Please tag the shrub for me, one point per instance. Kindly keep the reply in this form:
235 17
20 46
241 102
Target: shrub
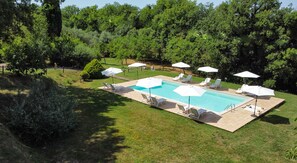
269 83
45 113
292 153
94 68
84 75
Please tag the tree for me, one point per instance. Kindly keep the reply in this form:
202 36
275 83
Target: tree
54 17
27 54
69 14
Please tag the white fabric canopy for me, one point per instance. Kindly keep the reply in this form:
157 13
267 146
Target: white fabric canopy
189 90
247 74
137 64
149 83
111 71
207 69
181 65
258 91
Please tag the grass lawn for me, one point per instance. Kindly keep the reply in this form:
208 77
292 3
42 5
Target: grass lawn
114 128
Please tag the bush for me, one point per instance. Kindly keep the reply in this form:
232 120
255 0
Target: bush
45 113
269 83
84 75
94 68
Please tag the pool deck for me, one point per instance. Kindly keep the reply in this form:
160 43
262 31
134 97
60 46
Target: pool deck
231 120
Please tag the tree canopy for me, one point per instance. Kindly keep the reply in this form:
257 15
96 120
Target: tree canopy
253 35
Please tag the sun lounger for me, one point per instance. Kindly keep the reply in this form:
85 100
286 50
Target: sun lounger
183 108
187 79
196 113
107 86
240 90
116 88
156 102
146 98
251 108
180 76
205 82
216 85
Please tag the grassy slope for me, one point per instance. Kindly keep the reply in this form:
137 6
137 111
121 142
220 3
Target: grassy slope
115 128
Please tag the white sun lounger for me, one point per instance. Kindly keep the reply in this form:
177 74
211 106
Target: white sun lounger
116 88
196 113
216 85
181 75
107 86
240 90
156 102
187 79
146 98
183 108
205 82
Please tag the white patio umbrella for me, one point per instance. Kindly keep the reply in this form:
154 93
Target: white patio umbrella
258 91
207 69
181 65
149 83
136 65
189 90
246 74
111 72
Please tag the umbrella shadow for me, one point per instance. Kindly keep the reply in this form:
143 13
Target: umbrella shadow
210 117
125 90
264 97
168 105
275 119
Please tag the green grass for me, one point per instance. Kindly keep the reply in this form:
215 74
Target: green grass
114 128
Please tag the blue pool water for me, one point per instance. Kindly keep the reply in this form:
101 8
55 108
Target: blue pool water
210 100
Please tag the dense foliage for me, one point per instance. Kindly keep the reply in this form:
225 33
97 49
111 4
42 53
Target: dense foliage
45 113
238 35
93 69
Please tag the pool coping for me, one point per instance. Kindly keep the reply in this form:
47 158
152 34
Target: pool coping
247 99
231 120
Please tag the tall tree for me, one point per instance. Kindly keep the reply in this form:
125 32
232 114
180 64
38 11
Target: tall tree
53 16
7 9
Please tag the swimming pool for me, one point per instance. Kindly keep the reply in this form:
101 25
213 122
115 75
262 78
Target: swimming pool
210 100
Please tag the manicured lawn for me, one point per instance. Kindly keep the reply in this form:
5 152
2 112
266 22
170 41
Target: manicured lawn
114 128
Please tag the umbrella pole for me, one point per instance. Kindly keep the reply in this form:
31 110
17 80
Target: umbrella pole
137 73
255 105
112 79
189 101
184 71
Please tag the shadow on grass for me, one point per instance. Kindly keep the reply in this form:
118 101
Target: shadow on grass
95 139
13 82
275 119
